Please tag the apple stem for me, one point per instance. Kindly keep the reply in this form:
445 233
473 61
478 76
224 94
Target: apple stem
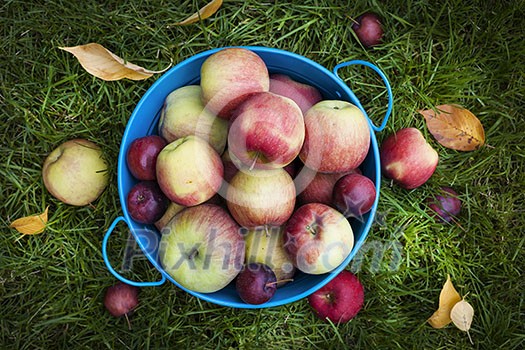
276 282
193 253
254 160
311 229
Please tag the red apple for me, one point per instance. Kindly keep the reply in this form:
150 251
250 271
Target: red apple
407 158
261 197
189 171
368 29
340 299
337 137
318 238
256 283
315 187
266 131
146 202
141 157
229 76
445 205
354 195
303 94
121 299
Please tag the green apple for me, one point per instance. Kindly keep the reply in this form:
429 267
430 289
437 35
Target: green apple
75 172
265 245
189 171
184 114
202 248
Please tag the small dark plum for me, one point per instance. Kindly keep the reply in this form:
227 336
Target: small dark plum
142 156
353 195
368 29
256 283
121 298
146 202
445 205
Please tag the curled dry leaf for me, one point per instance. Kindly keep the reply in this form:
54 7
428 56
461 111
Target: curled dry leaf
31 225
203 13
447 299
455 127
104 64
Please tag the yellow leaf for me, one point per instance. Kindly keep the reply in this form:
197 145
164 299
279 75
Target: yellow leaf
447 299
102 63
455 127
462 314
31 225
203 13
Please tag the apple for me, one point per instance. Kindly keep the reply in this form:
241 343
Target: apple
183 114
340 300
266 131
121 299
75 172
265 245
171 211
445 205
314 187
256 283
189 171
337 137
146 202
407 158
141 156
261 197
202 248
318 238
229 76
368 29
303 94
354 195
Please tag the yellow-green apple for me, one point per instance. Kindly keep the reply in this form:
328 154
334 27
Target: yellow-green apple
183 114
354 195
407 158
229 76
75 172
261 197
337 137
171 211
315 187
340 299
189 171
318 238
202 248
265 245
304 95
266 131
141 156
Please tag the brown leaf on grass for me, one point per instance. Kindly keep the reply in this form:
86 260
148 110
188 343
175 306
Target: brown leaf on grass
104 64
31 225
462 314
455 127
447 299
203 13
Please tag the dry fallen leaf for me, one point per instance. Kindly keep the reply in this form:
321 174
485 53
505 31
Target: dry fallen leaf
104 64
455 127
447 299
31 225
203 13
462 314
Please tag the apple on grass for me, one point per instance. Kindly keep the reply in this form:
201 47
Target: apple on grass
337 137
368 29
266 131
304 95
189 171
75 172
261 197
340 299
318 238
202 248
141 156
183 114
407 158
229 76
445 204
265 245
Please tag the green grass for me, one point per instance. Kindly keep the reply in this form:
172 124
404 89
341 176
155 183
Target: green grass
471 53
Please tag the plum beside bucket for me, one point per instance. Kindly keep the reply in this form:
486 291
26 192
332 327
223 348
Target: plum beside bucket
144 121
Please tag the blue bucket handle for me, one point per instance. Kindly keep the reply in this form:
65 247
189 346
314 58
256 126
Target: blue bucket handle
112 270
385 80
